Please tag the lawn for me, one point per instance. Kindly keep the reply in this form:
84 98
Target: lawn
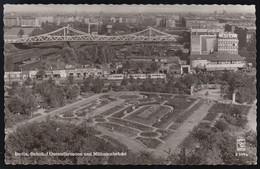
119 128
179 103
128 97
131 124
167 119
121 113
149 134
165 134
149 114
112 110
150 143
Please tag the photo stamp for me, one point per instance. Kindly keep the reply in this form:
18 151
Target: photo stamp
130 84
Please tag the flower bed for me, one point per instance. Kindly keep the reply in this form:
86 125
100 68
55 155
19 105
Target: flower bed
119 128
149 114
68 114
178 103
112 110
150 143
167 119
150 95
81 113
166 96
131 124
149 134
127 97
165 134
181 97
120 114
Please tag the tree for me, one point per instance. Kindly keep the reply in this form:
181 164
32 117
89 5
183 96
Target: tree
16 105
20 33
207 94
154 67
71 79
40 74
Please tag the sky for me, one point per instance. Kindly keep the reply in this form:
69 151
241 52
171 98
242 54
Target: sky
129 8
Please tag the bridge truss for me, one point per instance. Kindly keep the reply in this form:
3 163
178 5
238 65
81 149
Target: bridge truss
72 35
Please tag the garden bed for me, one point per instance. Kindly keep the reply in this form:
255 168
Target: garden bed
131 124
150 143
167 119
149 134
149 114
128 97
120 114
81 113
178 103
165 134
112 110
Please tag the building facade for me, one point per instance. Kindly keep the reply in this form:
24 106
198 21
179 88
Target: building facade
228 43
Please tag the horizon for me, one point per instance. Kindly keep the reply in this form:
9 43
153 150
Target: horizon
8 8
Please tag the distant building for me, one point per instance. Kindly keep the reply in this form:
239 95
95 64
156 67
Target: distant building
13 33
249 34
159 21
11 21
217 61
28 21
228 43
170 23
200 23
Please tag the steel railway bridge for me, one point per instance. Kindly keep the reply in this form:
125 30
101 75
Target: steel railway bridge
68 34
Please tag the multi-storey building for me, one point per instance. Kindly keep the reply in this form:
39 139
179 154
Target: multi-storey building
28 21
228 43
203 44
10 21
170 23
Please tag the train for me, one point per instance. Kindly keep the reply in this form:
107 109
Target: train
136 76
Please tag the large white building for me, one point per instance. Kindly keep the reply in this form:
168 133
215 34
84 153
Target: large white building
228 43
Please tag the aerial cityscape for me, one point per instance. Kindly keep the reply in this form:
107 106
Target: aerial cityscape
130 84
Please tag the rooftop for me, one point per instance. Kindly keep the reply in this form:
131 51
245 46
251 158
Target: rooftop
217 57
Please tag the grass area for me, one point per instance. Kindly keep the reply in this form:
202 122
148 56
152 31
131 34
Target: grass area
112 110
119 128
145 100
131 124
81 113
181 97
120 114
150 95
149 134
127 97
183 115
165 134
167 119
115 142
179 103
151 143
149 114
166 96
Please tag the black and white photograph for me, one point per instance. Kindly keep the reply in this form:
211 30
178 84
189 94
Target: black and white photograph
133 84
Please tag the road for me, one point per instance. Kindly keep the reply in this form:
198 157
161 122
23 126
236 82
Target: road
176 139
252 117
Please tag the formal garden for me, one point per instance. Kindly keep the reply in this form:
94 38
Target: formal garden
148 118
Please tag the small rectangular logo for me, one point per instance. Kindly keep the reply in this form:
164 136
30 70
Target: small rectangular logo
241 144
